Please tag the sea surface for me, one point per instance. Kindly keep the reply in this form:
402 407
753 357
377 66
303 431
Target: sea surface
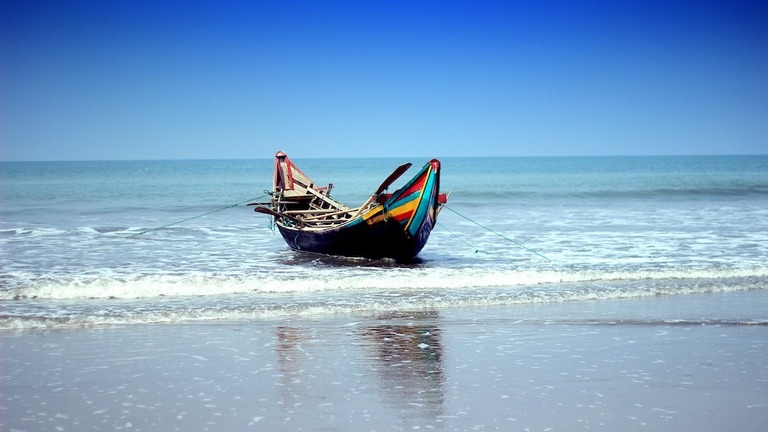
86 244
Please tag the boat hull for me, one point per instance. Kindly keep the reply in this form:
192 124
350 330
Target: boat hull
394 225
381 240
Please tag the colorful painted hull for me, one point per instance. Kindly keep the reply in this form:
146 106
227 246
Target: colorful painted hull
393 225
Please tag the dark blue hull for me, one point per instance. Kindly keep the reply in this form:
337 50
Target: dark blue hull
381 240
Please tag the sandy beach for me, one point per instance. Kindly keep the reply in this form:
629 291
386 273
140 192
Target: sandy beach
604 365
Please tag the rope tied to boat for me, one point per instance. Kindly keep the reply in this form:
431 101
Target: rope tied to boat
518 244
196 217
458 238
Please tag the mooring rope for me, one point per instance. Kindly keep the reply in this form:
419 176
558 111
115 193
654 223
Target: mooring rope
196 217
457 237
520 245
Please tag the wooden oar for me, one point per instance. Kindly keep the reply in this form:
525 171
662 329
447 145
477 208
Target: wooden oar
271 212
392 177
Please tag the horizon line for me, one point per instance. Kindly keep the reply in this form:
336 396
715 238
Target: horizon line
393 157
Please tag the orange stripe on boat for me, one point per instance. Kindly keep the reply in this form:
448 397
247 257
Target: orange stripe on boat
404 211
399 213
403 217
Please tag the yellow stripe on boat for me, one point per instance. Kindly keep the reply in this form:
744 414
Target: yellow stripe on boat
376 214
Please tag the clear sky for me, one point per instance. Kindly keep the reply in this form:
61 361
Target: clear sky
166 79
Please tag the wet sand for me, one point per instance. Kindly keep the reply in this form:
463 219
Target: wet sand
662 364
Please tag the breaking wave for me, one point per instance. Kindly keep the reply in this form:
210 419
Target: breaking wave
48 302
19 285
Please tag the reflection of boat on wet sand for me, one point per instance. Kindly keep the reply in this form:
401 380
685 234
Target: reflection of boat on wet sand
411 364
388 225
406 360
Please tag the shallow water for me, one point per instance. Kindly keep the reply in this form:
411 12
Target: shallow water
79 248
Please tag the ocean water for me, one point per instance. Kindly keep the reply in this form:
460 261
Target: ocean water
78 245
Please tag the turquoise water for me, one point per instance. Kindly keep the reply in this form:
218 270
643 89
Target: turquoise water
601 227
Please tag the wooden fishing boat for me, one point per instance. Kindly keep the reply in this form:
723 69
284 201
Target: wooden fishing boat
387 225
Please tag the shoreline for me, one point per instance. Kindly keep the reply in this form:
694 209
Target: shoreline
661 364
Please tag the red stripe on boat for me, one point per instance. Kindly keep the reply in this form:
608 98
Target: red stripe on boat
404 216
416 187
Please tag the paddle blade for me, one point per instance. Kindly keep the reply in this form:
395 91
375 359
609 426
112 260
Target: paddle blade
392 177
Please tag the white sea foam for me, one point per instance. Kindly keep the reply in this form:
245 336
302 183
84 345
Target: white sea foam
115 286
32 232
25 316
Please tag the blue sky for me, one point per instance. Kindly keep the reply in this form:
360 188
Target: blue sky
134 79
